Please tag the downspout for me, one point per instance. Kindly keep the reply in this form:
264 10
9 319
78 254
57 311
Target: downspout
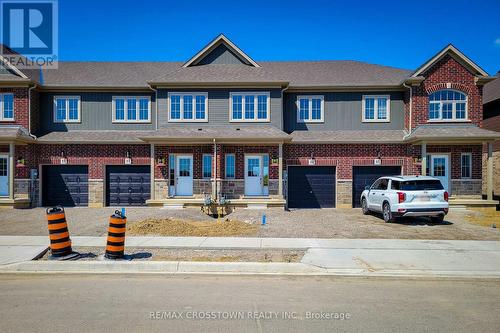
215 172
283 106
156 105
29 110
411 109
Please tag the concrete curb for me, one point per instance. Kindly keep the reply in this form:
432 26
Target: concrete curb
232 268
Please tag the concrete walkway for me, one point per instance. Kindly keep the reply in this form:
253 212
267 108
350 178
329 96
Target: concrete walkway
13 254
264 243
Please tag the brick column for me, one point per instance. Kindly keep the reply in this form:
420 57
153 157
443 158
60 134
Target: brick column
423 171
489 172
280 170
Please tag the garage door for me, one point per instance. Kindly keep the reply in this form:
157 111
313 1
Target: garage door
127 185
65 185
366 175
311 187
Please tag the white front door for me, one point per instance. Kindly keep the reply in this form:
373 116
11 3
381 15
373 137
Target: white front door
184 175
440 169
253 175
4 175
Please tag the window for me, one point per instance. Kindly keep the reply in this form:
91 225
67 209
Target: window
66 109
447 105
249 107
188 107
376 108
131 109
230 166
466 165
310 109
6 107
207 166
420 185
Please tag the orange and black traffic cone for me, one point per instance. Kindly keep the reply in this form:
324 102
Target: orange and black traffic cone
115 246
60 243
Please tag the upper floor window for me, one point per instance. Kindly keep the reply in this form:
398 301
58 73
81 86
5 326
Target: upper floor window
133 109
6 107
67 109
188 107
310 109
249 107
447 105
376 108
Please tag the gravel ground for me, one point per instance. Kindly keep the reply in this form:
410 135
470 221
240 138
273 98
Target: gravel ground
320 223
95 253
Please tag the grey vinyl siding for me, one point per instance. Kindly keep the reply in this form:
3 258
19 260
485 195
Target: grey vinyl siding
95 112
343 112
218 108
221 55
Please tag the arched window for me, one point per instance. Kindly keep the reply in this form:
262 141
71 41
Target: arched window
447 105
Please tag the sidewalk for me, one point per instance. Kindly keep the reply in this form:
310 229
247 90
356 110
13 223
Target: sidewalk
255 243
344 257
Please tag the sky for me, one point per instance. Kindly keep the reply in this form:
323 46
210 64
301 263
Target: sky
401 34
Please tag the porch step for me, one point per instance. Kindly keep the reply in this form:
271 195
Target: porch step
173 206
472 203
256 206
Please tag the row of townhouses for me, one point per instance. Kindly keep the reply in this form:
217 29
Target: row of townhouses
221 125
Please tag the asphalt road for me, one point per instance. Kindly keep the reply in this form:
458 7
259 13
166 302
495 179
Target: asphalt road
120 303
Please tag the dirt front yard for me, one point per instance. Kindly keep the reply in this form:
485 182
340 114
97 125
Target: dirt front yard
310 223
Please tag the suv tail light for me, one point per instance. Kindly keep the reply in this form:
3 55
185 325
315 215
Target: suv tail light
401 197
445 196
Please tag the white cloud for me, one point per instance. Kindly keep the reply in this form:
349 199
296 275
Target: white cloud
497 41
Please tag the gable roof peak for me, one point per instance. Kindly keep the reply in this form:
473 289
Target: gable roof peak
220 39
457 55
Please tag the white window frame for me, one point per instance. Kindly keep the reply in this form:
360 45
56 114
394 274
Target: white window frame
225 166
310 98
203 166
470 165
255 118
2 118
375 109
66 119
453 108
181 119
125 108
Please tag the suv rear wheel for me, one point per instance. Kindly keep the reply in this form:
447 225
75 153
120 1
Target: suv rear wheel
437 219
386 212
364 207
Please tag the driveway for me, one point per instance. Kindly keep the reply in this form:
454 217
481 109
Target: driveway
308 223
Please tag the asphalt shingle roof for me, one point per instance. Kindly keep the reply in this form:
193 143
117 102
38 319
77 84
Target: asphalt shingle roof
92 137
258 133
297 73
349 136
231 132
491 90
452 131
8 132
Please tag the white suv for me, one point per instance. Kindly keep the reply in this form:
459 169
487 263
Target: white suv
401 196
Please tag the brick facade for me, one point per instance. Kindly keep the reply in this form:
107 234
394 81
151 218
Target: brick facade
345 156
21 107
447 73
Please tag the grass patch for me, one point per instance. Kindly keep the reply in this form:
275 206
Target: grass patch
177 227
484 218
